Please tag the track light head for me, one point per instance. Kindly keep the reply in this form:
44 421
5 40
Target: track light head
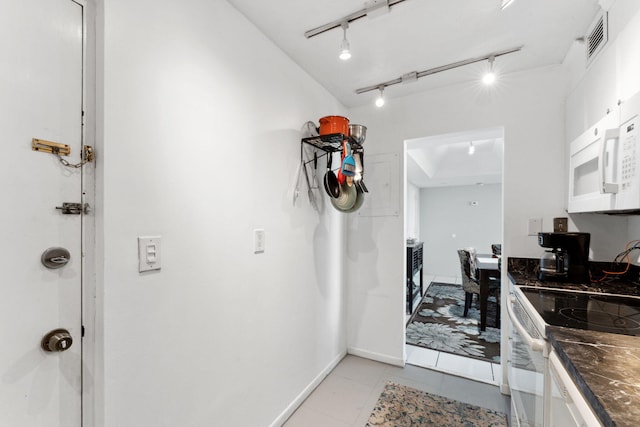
380 99
345 51
490 77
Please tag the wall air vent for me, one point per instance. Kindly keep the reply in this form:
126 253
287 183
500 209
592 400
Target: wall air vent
596 37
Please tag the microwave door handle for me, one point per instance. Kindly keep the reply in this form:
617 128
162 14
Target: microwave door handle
535 344
609 134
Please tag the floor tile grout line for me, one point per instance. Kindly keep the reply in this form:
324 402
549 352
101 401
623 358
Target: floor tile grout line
447 370
374 393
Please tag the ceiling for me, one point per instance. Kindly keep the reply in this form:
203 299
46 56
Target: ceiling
417 35
445 160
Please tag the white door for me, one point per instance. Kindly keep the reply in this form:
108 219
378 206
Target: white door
41 60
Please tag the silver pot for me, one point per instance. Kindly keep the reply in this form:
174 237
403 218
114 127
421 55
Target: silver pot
358 133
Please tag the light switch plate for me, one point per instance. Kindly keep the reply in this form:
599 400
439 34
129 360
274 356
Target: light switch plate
258 241
149 253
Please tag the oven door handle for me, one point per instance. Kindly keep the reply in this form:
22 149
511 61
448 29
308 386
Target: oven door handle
536 344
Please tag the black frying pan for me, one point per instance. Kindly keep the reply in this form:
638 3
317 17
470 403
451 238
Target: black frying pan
331 184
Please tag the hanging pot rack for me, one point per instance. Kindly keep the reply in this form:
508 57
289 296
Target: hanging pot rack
332 142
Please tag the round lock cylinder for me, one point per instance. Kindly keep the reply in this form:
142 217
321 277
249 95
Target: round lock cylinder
57 340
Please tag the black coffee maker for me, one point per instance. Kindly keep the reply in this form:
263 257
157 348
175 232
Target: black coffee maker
568 259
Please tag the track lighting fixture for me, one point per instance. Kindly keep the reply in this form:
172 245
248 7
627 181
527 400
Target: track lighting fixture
380 99
415 75
490 77
345 52
372 9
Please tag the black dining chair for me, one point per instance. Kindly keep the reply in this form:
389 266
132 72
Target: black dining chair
496 249
470 283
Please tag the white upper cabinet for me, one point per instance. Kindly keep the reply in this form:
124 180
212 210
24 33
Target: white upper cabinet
598 88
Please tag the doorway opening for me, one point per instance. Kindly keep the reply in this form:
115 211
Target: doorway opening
453 201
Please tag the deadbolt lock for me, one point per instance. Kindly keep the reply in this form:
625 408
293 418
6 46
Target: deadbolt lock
57 340
55 257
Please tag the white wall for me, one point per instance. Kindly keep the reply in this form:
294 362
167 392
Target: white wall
412 211
448 222
530 107
200 144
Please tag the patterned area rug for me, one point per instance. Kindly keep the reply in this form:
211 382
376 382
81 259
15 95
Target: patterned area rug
400 406
438 324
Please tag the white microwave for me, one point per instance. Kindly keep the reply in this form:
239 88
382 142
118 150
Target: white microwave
604 164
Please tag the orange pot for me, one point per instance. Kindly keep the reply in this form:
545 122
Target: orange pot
334 124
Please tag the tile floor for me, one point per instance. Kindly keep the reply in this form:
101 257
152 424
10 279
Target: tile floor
347 396
474 369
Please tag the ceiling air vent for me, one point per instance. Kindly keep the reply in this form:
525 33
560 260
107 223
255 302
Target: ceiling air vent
596 36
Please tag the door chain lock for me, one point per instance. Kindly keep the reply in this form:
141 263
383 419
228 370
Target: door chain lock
74 208
88 155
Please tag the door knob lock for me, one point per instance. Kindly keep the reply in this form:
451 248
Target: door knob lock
57 340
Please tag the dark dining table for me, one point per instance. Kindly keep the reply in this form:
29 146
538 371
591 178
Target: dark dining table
488 270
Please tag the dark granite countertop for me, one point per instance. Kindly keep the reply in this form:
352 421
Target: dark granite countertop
606 368
524 272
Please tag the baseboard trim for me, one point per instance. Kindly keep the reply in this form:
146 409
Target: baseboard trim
378 357
284 416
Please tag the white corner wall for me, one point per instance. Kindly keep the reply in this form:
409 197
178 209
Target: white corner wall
530 107
448 222
200 144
